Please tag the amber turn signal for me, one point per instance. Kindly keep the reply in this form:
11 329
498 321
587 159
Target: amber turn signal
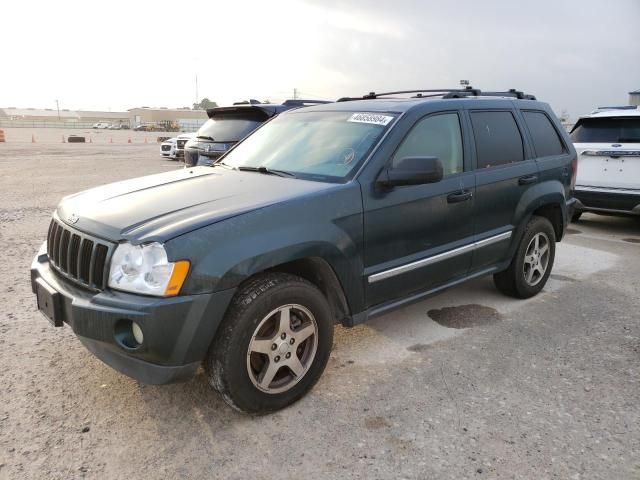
178 276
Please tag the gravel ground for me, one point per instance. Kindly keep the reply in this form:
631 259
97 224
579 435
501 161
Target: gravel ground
468 384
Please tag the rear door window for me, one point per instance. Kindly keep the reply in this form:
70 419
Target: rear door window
607 130
546 140
497 138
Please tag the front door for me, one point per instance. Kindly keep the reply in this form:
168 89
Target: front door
414 234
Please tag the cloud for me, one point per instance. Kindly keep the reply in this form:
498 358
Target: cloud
575 54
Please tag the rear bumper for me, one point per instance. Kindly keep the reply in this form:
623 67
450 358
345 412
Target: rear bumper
618 201
177 330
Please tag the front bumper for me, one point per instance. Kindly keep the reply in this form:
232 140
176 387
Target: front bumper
177 330
604 200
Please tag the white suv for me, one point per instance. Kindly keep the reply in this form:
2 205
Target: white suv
608 146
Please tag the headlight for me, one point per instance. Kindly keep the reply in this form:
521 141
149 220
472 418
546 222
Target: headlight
145 269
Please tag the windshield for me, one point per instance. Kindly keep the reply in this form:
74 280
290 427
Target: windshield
227 128
324 146
607 130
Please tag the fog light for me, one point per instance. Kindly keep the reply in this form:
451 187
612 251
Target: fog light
128 334
137 333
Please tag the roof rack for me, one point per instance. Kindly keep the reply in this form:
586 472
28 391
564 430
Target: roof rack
445 93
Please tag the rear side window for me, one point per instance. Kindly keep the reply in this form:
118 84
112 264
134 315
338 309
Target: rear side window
498 140
607 130
435 136
546 140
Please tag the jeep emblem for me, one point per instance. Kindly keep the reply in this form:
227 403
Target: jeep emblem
73 218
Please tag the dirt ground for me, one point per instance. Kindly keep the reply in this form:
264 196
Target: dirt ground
468 384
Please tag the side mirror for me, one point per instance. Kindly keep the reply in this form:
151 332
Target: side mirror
411 171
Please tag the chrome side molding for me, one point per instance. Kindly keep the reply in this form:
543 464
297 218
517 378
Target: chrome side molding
392 272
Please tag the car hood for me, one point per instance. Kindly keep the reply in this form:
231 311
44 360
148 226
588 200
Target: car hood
163 206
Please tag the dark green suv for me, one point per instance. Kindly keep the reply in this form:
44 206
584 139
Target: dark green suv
329 214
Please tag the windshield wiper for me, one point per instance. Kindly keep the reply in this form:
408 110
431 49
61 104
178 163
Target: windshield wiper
204 137
268 171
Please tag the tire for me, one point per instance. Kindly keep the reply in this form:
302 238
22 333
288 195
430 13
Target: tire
252 342
520 280
575 217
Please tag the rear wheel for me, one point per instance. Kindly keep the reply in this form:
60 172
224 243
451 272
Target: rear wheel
532 263
273 344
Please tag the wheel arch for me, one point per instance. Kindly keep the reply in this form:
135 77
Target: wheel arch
546 200
319 272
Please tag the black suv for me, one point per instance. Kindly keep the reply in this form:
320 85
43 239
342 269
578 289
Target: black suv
228 125
329 214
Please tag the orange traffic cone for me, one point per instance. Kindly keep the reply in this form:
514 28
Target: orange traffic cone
33 138
63 140
111 141
90 139
145 139
129 140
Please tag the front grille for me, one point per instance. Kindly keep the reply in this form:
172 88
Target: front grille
77 256
165 148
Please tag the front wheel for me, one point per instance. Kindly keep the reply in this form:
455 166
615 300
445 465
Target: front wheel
532 263
273 344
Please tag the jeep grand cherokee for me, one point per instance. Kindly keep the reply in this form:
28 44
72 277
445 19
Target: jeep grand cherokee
332 213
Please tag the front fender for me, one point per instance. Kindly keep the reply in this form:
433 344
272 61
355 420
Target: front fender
329 227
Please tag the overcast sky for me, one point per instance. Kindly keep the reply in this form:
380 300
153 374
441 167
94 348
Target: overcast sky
575 54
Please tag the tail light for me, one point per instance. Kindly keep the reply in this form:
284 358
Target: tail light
574 172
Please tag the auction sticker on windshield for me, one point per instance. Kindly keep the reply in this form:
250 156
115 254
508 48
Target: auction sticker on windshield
374 118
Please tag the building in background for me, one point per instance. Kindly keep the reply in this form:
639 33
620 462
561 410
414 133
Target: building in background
187 120
634 97
179 119
50 117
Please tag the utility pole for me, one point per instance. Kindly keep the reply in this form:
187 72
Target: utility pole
197 101
295 93
58 107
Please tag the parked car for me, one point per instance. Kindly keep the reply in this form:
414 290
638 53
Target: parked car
228 125
608 145
169 148
101 125
182 139
149 127
328 214
119 126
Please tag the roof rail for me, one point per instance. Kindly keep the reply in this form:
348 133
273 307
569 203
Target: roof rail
445 93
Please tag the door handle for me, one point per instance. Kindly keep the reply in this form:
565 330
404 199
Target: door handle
528 180
459 196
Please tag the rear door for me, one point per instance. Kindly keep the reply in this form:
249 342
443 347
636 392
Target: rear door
504 170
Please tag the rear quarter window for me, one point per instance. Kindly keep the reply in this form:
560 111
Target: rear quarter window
546 140
497 138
